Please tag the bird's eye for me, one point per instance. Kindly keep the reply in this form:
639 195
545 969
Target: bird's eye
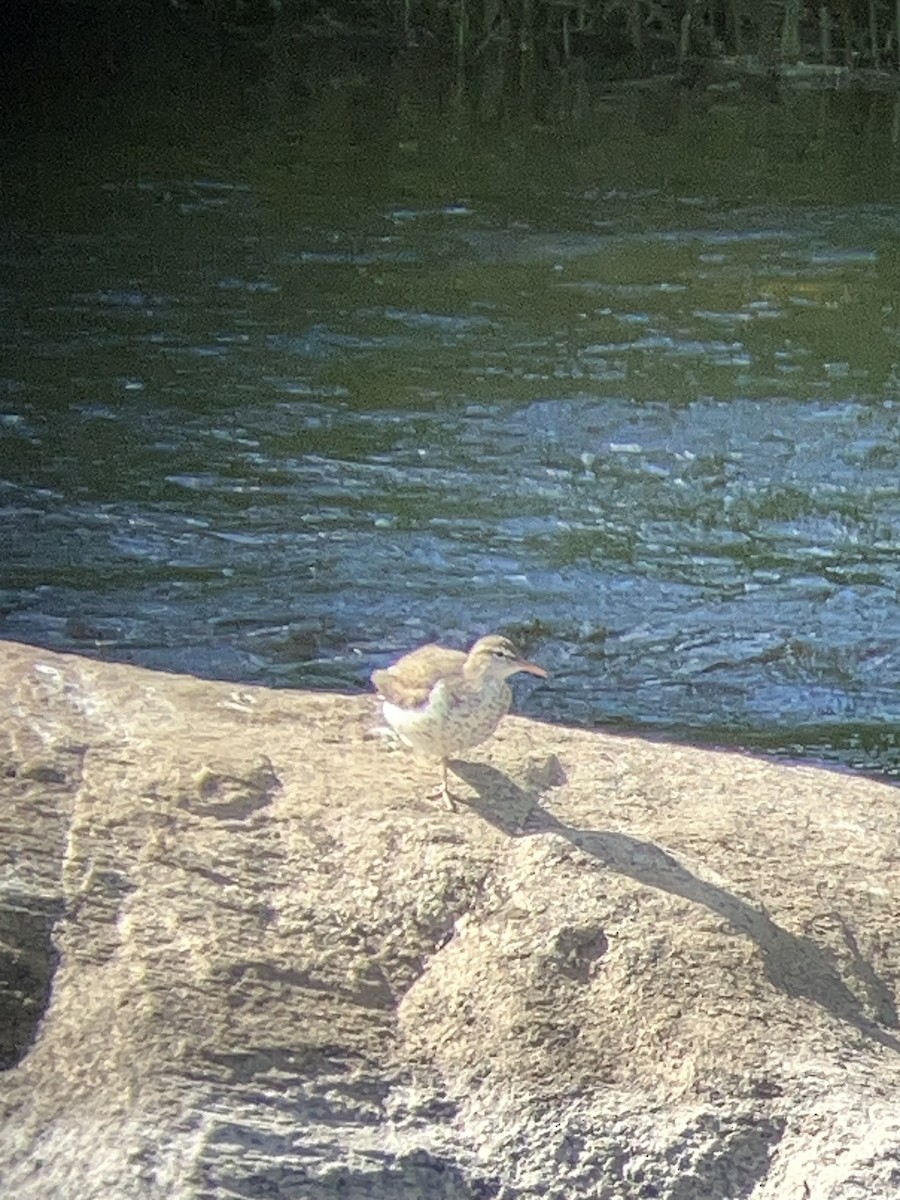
501 654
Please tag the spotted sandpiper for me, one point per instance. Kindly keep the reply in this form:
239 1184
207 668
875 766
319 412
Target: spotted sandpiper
441 701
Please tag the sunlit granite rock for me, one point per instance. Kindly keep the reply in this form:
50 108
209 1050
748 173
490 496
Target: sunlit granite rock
241 957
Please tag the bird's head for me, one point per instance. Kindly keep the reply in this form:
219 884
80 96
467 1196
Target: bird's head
496 657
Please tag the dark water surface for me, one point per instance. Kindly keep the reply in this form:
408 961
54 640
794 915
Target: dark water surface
298 375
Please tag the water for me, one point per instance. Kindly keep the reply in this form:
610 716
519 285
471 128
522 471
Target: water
297 377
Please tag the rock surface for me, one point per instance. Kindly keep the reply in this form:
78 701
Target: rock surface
240 956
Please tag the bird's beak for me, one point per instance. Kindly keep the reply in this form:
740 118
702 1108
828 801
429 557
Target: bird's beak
532 668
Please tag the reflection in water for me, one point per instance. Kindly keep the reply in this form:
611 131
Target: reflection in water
286 398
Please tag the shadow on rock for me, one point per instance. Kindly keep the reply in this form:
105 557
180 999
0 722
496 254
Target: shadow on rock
796 965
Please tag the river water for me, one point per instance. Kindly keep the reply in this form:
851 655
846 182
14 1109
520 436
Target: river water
303 371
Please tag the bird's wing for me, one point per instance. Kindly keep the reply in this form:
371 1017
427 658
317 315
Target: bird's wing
408 682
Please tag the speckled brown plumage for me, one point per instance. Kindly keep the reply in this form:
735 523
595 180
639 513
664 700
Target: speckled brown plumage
441 701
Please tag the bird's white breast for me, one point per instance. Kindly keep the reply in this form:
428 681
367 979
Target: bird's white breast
452 719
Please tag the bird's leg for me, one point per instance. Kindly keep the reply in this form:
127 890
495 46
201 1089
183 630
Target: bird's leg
444 790
446 794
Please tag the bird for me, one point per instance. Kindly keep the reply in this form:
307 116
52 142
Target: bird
441 701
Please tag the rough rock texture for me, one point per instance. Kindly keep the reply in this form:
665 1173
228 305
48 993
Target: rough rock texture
240 956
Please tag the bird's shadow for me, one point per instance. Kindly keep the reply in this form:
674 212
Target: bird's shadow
797 965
